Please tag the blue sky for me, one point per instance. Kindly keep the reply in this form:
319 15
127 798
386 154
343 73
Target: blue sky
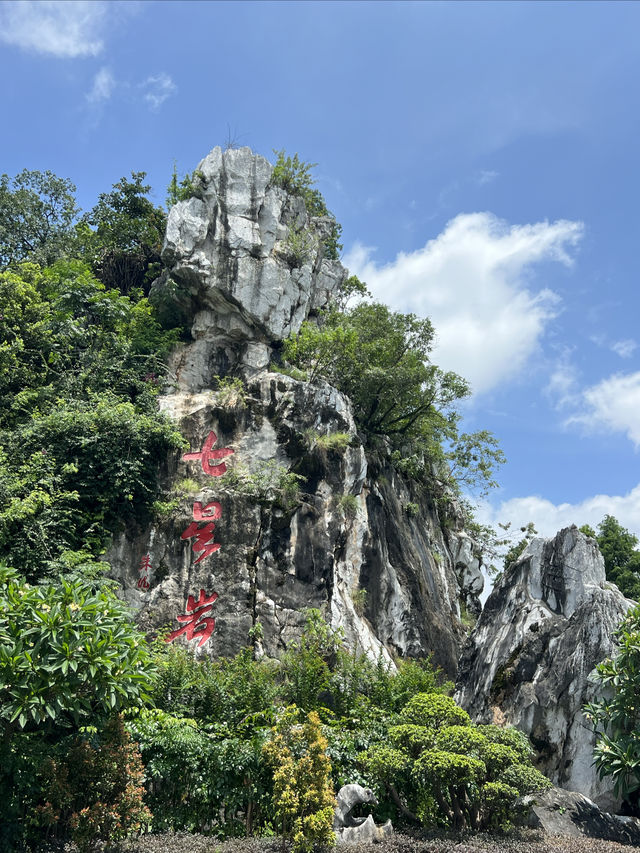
482 158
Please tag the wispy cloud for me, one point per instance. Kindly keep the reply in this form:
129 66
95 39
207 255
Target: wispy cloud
625 348
471 281
103 86
486 176
612 405
157 88
66 30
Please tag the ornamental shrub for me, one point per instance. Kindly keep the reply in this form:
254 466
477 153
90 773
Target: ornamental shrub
303 800
440 769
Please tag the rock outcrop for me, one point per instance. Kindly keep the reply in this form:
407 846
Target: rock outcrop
358 541
568 813
545 626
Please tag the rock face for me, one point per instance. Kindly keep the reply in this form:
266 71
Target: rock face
358 542
544 628
570 814
248 262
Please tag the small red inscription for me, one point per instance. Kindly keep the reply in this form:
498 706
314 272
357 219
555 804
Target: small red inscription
145 567
197 623
207 455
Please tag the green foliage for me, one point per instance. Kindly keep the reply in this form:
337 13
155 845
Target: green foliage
201 776
191 186
121 237
411 508
303 799
231 393
37 210
79 370
333 441
434 711
616 716
439 768
92 792
359 598
621 558
297 249
68 654
348 505
294 176
380 359
269 482
525 779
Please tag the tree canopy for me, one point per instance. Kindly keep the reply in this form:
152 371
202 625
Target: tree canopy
381 360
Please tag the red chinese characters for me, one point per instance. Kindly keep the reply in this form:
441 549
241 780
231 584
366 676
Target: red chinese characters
203 535
207 456
198 622
145 567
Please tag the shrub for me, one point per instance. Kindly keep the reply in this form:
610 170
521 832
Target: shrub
68 653
441 768
303 800
92 790
348 505
434 711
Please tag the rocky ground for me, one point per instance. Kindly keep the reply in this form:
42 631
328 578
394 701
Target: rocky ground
524 841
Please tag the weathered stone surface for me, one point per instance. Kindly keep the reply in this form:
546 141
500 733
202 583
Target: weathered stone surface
545 626
231 252
365 833
348 800
568 813
354 545
348 547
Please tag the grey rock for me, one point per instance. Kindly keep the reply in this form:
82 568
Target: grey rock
394 582
230 254
367 832
544 627
348 799
348 533
568 813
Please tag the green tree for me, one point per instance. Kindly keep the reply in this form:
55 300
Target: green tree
618 547
122 236
37 211
437 767
616 716
381 360
79 369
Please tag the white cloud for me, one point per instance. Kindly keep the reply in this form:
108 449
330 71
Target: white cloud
613 405
471 282
62 29
103 85
156 89
548 517
624 349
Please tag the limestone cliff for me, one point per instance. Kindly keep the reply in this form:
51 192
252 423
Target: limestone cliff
358 542
544 627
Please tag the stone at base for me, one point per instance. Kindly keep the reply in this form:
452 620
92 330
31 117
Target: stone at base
559 812
366 833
